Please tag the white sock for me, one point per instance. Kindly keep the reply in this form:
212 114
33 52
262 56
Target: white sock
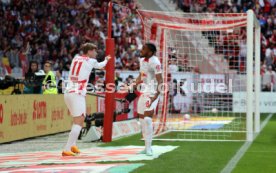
73 136
142 124
149 131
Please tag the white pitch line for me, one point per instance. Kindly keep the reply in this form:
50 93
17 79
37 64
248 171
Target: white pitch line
236 158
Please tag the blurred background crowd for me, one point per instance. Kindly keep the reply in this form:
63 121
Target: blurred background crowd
265 11
37 31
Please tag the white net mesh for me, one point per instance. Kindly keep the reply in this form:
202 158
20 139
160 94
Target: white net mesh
204 63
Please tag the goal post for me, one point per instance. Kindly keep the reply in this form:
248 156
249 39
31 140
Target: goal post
249 77
211 63
110 80
257 88
253 54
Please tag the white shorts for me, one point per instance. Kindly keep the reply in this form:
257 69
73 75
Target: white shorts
76 104
144 99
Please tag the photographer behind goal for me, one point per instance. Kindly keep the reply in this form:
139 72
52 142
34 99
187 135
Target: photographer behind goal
32 82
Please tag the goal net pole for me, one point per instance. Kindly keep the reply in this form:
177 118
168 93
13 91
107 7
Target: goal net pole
253 39
110 81
258 72
249 78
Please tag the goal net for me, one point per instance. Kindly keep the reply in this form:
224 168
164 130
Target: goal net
208 63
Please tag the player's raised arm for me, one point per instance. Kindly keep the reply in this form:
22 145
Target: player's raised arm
100 65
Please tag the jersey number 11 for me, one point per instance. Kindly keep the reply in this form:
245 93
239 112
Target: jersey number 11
77 64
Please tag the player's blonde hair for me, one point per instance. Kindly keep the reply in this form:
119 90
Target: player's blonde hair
87 46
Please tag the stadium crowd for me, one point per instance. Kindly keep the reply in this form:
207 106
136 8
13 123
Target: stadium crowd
43 30
265 10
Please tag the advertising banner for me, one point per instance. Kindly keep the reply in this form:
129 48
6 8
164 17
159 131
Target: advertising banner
267 102
26 116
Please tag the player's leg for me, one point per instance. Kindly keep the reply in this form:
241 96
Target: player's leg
142 123
77 107
149 112
143 130
148 131
140 110
74 133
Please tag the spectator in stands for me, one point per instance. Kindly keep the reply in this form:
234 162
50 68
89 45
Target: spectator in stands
268 80
183 62
6 64
49 82
196 70
3 71
32 85
269 55
263 70
242 56
272 39
272 76
13 56
59 81
118 80
173 65
55 29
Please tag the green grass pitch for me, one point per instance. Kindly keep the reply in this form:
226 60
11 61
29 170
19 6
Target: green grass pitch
211 157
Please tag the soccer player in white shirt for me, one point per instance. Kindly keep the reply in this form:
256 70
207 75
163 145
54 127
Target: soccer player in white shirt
150 73
74 95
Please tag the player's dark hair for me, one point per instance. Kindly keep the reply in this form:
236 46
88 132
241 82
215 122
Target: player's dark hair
87 46
151 47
